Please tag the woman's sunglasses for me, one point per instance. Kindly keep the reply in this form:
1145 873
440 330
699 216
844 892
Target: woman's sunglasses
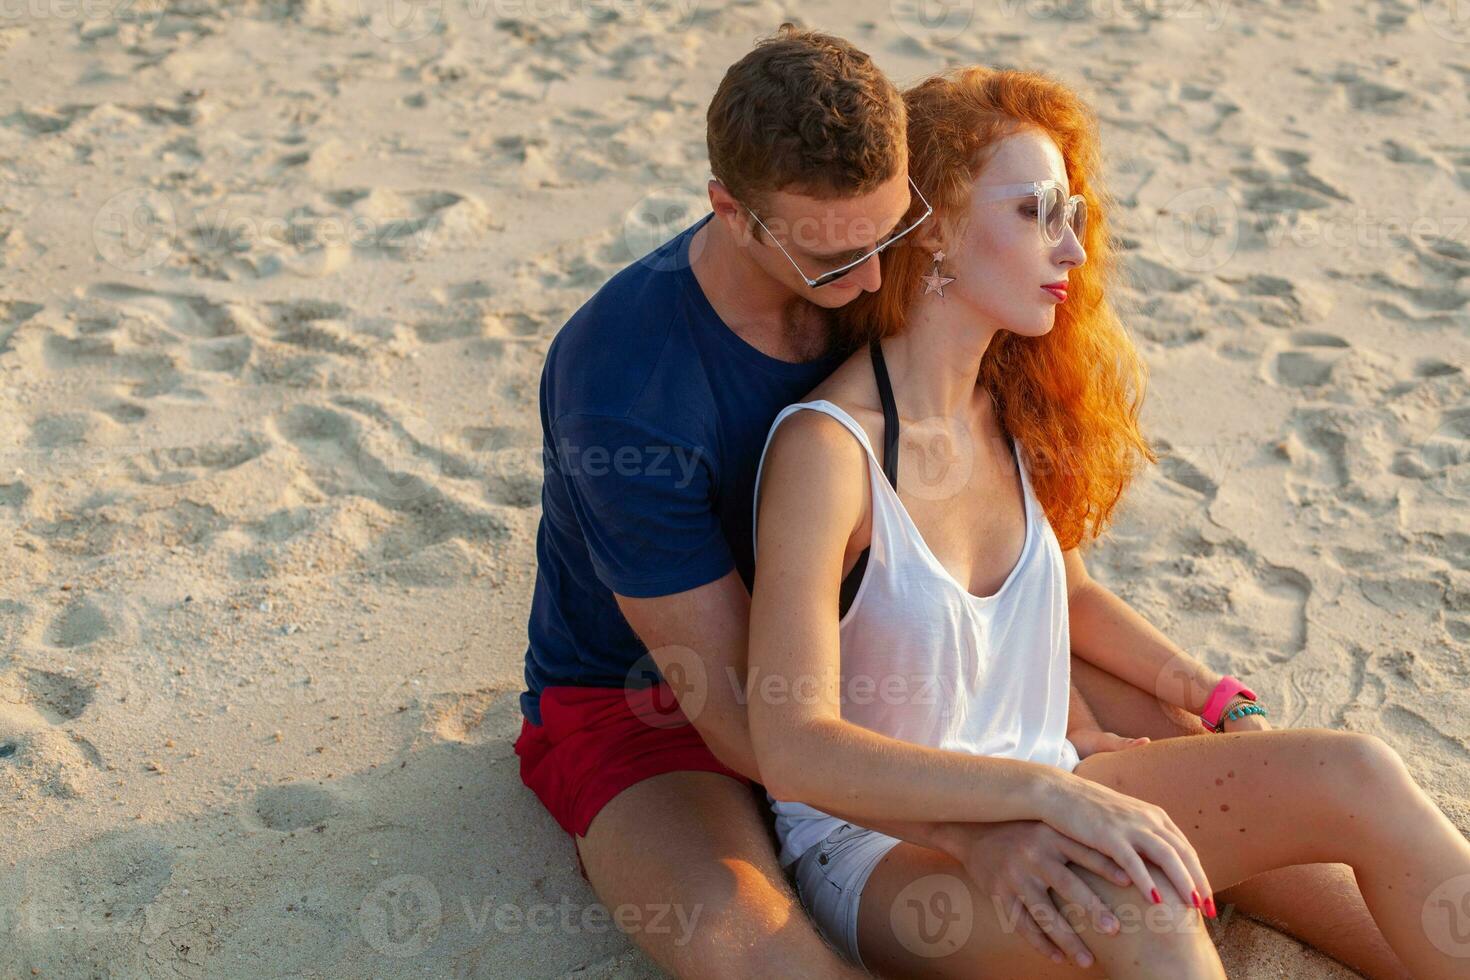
1054 210
840 271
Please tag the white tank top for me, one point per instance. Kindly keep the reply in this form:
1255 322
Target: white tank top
926 661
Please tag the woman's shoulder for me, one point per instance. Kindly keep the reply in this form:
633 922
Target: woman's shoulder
813 436
816 448
852 388
811 483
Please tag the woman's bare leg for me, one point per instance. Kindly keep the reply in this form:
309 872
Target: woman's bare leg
922 917
1318 904
1254 801
1328 914
1282 798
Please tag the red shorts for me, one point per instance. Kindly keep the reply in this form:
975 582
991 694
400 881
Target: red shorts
595 742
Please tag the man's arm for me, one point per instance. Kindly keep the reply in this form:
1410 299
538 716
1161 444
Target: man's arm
1079 714
700 636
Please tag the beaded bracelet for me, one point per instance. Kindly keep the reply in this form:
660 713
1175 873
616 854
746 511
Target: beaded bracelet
1241 710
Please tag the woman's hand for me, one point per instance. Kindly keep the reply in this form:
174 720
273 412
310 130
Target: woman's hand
1018 860
1130 831
1089 741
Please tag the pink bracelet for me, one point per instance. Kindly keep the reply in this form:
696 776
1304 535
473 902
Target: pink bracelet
1224 691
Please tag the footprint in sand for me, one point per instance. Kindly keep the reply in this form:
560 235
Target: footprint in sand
1342 456
228 355
1317 448
173 465
471 718
1438 300
511 461
1366 95
1278 301
186 315
1388 310
110 887
405 226
291 807
125 412
62 431
13 616
44 120
302 926
1274 601
1442 459
317 326
1258 608
14 495
1180 470
1435 298
1306 360
482 323
134 331
14 314
78 624
1433 367
151 373
1405 152
36 755
1277 185
58 697
396 461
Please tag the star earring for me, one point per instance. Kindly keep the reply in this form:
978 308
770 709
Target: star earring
934 282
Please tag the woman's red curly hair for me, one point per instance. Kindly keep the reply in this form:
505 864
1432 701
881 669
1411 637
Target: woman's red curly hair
1071 398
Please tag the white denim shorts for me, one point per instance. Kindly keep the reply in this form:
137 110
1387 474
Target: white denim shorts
829 878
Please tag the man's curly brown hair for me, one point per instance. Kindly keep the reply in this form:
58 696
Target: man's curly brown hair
805 112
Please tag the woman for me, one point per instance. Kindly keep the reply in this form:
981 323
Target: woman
917 616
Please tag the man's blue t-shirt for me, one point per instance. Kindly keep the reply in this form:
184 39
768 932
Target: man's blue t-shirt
654 414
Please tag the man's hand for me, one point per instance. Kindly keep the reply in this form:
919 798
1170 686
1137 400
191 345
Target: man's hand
1089 741
1018 860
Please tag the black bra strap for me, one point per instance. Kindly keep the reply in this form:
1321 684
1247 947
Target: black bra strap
890 414
890 467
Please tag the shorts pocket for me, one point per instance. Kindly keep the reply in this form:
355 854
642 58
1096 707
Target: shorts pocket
831 847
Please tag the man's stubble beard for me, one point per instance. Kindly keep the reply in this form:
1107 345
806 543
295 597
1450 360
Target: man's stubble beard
811 330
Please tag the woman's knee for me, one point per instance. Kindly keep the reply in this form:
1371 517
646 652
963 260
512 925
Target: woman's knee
1137 914
1168 938
1344 782
1375 756
1359 765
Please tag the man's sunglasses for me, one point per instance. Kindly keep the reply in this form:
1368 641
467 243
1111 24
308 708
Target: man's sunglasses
838 273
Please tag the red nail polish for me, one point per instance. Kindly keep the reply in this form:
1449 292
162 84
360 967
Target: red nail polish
1194 897
1157 899
1210 907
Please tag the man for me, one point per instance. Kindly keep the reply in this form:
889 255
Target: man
656 400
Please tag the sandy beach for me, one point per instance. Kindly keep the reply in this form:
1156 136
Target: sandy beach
276 284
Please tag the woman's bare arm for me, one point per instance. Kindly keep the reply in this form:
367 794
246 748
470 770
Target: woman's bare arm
702 635
811 502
